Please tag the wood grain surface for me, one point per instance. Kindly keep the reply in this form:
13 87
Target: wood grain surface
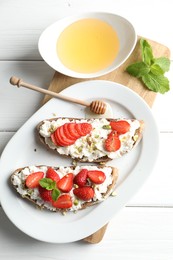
60 82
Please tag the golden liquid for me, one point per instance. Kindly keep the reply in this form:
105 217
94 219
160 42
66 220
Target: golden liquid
88 45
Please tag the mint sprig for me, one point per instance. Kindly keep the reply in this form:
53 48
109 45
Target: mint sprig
49 184
151 70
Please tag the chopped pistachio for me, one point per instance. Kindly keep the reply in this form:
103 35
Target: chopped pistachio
29 191
89 140
92 147
76 202
80 149
102 163
123 138
74 162
114 193
135 137
107 127
52 129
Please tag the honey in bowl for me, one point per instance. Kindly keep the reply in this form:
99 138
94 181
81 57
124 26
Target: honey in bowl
88 45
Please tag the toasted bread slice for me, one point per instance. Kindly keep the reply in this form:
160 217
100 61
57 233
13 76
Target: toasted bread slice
101 191
90 148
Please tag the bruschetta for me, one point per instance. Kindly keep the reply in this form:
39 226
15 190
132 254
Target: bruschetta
62 189
91 140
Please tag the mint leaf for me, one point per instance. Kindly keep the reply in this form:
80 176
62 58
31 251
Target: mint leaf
156 83
163 63
47 183
138 69
147 53
156 69
55 194
151 70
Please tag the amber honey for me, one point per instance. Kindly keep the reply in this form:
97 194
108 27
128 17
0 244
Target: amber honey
88 45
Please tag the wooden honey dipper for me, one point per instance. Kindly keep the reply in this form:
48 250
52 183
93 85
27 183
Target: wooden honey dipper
97 106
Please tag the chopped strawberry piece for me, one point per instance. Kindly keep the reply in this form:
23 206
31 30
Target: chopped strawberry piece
97 177
81 178
67 132
120 126
112 143
61 138
83 128
63 202
46 195
52 174
66 183
32 180
84 193
72 130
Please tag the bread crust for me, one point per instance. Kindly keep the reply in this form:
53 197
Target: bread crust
103 159
86 204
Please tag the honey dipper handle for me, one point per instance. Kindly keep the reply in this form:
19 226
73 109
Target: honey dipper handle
18 82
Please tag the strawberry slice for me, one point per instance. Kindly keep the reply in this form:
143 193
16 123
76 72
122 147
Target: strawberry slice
84 193
66 183
72 130
46 195
52 174
64 138
61 138
81 178
83 128
96 177
120 126
54 139
67 132
112 143
63 202
32 180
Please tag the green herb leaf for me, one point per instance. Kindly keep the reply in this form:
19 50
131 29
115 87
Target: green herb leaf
156 83
156 69
151 70
138 69
147 53
163 62
55 194
47 183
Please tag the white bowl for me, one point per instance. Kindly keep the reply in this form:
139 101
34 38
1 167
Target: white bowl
48 41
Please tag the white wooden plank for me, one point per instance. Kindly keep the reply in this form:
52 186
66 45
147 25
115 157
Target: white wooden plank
21 22
18 104
4 138
163 106
158 188
135 233
145 234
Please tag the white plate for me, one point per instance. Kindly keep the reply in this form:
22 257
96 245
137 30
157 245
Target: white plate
134 167
48 39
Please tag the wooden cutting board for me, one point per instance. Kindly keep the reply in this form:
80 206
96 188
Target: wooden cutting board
60 82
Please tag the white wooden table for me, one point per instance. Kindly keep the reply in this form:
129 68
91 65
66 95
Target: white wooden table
144 228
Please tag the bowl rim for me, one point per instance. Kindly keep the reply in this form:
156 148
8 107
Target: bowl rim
69 19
